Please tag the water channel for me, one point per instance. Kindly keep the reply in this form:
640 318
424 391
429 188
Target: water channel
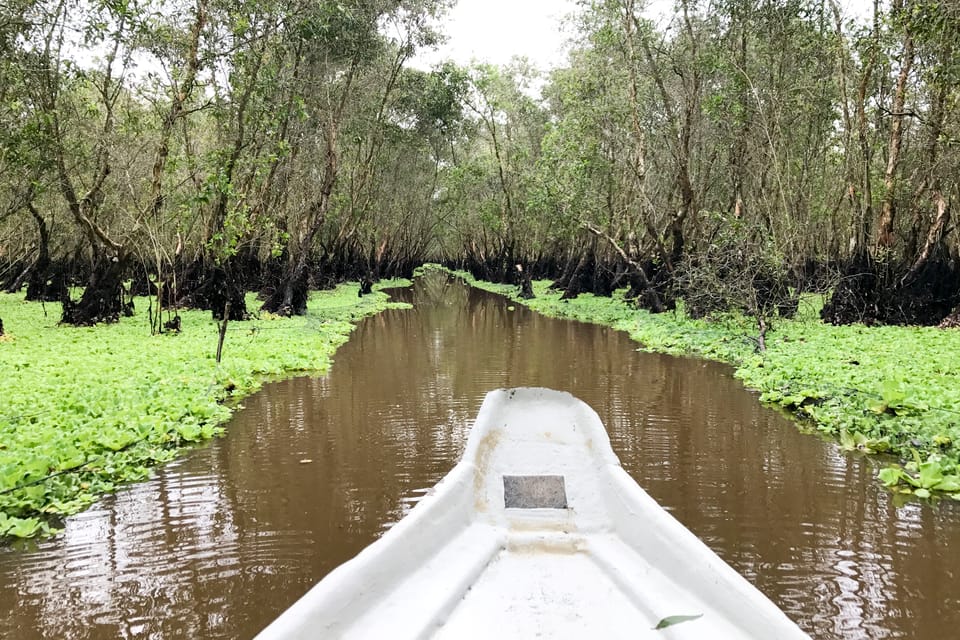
314 469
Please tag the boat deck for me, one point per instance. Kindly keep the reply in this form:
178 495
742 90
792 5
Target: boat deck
551 585
534 592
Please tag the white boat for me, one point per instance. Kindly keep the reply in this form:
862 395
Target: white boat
537 532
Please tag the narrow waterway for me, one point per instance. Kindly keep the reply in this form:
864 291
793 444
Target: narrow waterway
314 469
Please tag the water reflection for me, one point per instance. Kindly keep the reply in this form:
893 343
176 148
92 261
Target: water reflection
219 543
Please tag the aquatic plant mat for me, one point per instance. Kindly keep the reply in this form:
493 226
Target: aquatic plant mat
87 408
884 389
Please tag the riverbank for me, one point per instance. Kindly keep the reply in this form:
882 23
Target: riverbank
85 409
887 389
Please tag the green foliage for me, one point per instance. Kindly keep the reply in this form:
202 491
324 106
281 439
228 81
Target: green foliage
936 473
434 99
343 29
20 527
861 442
88 408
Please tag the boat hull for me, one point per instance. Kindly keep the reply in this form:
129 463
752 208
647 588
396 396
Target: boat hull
536 532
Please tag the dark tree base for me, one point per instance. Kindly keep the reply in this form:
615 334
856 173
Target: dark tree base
172 325
366 286
588 274
140 284
774 293
102 299
48 282
659 296
289 298
211 287
526 286
871 294
952 321
581 273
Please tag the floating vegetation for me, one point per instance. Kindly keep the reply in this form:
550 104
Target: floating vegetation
86 409
922 478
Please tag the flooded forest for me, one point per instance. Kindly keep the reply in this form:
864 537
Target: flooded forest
200 197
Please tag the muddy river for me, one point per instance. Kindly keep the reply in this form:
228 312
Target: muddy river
314 469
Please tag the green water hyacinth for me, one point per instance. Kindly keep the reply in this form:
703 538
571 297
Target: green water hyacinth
922 478
87 409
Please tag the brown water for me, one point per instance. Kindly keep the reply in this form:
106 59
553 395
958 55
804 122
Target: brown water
219 543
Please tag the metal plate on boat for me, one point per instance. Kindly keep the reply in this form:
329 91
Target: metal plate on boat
534 492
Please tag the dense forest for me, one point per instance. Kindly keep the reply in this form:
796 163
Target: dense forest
733 156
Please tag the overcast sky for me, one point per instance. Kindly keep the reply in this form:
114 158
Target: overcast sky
496 30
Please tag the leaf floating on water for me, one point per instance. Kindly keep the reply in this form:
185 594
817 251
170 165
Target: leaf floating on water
890 476
669 621
949 484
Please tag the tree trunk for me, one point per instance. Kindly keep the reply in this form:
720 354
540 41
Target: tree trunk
681 131
885 236
211 286
934 237
931 181
15 283
37 286
860 252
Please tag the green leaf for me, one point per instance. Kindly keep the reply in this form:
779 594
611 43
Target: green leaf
189 432
22 527
847 441
909 479
949 484
35 492
878 407
71 457
916 457
890 476
931 474
892 394
922 493
914 406
114 439
669 621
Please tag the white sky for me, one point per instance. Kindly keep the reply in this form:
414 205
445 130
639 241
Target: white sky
496 30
